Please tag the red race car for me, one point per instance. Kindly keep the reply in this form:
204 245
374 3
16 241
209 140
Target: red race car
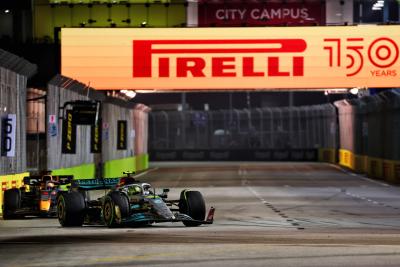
37 197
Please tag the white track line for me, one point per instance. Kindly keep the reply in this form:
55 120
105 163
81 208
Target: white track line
358 175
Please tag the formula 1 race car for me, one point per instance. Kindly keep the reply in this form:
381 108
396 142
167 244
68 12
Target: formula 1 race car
128 202
36 197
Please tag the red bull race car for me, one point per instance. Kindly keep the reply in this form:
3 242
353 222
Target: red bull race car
127 202
37 196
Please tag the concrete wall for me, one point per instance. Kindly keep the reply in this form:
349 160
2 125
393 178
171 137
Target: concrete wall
111 162
61 90
14 73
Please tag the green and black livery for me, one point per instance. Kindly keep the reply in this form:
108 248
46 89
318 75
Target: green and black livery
126 202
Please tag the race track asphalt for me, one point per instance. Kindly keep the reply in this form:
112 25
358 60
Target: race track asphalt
267 214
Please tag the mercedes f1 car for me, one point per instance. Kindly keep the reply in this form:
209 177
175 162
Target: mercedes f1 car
126 201
37 196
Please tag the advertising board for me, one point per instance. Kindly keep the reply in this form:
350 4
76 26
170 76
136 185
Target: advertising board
233 58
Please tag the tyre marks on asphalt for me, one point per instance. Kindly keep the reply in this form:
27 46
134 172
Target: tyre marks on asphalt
285 217
242 172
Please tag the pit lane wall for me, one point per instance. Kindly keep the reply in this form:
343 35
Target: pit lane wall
60 91
116 160
116 114
369 135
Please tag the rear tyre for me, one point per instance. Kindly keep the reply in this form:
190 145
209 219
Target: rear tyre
112 217
12 202
70 209
192 204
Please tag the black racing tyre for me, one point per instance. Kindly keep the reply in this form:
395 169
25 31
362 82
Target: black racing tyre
111 218
122 201
11 203
70 209
192 203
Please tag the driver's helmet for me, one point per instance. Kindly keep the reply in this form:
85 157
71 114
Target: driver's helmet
47 182
146 189
134 189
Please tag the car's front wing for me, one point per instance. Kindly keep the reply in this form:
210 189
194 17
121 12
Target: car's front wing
178 217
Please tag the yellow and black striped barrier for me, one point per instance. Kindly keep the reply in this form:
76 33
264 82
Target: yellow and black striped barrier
378 168
8 182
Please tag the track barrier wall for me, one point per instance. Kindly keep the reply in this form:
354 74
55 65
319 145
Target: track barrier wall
117 160
114 158
119 117
369 135
10 181
295 133
61 90
327 155
83 171
14 73
36 130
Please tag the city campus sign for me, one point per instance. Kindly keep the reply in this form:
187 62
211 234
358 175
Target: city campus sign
260 14
233 58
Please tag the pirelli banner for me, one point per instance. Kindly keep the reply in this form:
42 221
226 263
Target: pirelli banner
233 58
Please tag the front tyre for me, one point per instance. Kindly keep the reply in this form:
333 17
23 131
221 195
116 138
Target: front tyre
116 207
70 209
192 204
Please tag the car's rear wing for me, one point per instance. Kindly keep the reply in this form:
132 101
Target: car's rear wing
64 179
32 180
95 184
37 179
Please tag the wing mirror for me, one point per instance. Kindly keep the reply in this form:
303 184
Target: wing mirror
164 193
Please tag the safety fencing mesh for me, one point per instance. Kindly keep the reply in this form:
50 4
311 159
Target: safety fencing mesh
370 134
287 128
371 125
